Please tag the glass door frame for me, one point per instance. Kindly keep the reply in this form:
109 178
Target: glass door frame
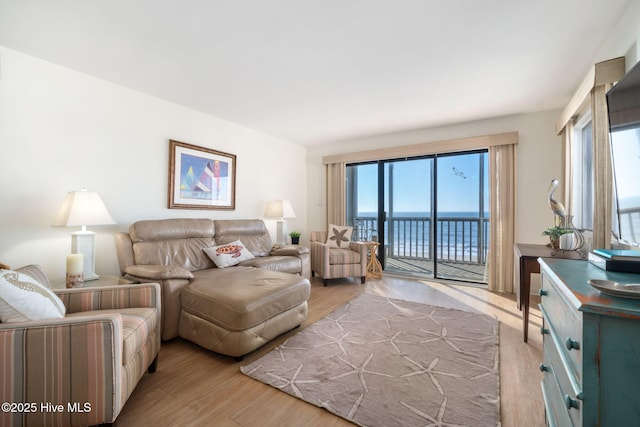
382 215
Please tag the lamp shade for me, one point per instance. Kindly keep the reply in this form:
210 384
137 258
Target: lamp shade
279 209
81 208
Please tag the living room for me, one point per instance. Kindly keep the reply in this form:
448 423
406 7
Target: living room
63 129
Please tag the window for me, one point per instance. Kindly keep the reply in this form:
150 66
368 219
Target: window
582 161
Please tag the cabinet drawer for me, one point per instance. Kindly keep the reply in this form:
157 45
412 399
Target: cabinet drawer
558 367
566 322
555 411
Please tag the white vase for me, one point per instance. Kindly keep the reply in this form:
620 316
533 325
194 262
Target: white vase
570 241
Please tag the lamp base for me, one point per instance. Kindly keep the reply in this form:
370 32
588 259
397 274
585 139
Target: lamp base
84 242
281 232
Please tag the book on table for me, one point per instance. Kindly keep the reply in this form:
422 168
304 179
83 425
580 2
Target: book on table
614 264
618 254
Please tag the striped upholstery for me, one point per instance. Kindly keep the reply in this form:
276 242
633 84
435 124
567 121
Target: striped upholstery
95 356
333 263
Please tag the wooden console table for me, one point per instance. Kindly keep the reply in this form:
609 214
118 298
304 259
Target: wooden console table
526 262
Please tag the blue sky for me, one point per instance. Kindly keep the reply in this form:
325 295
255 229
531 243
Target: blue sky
457 180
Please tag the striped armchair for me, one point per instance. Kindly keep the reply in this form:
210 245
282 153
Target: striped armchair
81 369
334 263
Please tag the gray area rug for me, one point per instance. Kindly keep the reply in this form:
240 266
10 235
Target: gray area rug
378 361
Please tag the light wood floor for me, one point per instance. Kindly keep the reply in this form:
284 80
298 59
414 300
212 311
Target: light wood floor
195 387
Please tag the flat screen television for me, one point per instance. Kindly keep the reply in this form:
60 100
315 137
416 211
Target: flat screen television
623 102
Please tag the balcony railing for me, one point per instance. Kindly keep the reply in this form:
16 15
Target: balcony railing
459 239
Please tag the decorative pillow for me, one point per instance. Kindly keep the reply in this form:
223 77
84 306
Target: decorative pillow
339 236
229 254
22 298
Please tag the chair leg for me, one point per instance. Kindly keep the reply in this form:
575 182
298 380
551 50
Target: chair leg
325 281
313 273
154 365
362 279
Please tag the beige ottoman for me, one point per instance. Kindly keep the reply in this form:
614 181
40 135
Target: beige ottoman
234 311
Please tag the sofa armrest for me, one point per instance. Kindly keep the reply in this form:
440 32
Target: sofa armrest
290 250
110 297
157 272
63 354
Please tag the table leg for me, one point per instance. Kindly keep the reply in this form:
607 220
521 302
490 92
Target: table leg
525 289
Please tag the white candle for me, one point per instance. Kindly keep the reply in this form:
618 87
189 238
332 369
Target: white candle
75 264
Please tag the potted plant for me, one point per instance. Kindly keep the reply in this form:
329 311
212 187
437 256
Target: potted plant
554 234
295 237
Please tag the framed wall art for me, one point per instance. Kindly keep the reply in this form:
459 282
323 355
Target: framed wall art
201 178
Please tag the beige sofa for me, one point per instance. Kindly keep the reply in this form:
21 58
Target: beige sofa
231 310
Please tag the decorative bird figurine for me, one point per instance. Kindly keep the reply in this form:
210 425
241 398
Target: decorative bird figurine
556 206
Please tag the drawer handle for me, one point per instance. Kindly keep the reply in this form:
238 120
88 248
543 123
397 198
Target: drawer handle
544 331
543 293
570 403
572 344
544 368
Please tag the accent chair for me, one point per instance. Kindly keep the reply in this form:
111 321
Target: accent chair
87 362
337 262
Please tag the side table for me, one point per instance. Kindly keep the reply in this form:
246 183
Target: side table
526 262
102 281
374 269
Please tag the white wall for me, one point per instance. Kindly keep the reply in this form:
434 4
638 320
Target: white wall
61 130
539 152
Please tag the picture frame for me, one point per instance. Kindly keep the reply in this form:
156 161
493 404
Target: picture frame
200 178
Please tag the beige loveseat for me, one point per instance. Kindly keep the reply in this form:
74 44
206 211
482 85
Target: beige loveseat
231 310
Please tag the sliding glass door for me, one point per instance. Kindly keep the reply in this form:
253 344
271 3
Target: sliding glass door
428 213
408 206
462 216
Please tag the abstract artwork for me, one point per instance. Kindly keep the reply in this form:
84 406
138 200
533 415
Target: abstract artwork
200 178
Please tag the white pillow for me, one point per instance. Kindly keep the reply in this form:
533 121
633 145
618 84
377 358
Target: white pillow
22 298
229 254
339 236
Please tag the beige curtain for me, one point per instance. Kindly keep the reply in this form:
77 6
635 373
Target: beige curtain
502 214
592 92
603 187
567 166
336 193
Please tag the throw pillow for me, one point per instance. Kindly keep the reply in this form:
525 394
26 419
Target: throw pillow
22 299
228 255
339 236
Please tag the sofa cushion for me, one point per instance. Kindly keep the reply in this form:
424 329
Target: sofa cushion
287 264
242 297
229 254
136 326
171 229
177 242
252 232
184 253
22 298
344 256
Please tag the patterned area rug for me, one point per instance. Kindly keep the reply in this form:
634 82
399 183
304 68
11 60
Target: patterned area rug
384 362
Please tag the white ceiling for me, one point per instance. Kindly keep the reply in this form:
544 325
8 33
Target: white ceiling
315 71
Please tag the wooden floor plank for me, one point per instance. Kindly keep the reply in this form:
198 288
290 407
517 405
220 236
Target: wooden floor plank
194 387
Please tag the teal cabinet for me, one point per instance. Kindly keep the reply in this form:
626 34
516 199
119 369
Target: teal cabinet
591 347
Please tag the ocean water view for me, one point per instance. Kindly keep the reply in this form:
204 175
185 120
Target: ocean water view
460 236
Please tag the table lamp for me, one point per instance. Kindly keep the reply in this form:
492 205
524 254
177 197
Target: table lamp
82 208
280 209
